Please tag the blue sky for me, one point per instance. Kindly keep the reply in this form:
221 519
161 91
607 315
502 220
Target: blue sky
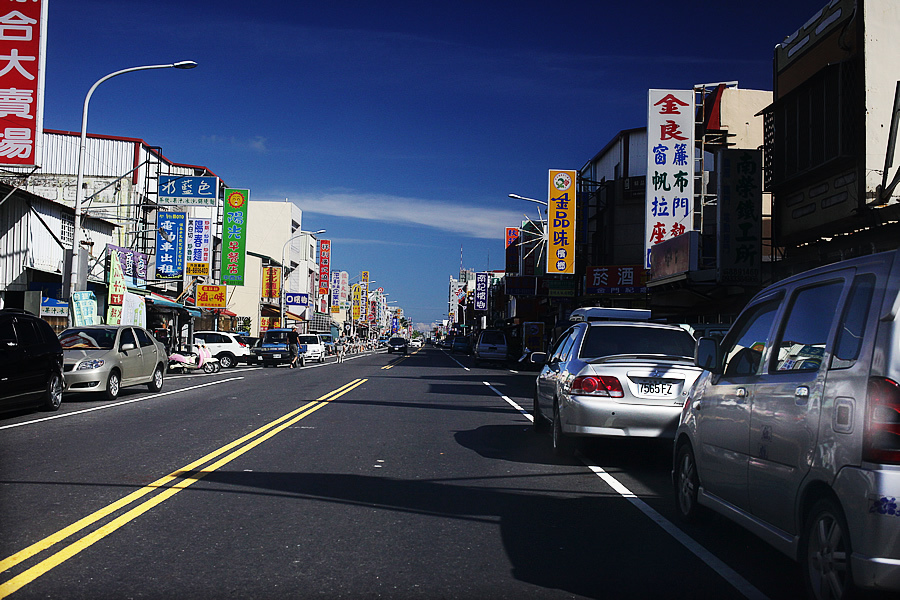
400 127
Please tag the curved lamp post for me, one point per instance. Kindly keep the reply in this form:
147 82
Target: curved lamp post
79 193
283 269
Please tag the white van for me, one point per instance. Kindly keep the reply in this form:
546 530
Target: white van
793 430
311 347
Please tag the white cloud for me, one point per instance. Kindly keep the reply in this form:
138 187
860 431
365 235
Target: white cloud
466 220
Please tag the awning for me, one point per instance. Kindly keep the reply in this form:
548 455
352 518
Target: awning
224 312
290 315
165 301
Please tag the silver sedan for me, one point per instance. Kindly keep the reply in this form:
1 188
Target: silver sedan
106 358
614 379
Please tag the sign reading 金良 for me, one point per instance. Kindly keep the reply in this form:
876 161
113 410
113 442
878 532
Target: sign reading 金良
234 236
561 222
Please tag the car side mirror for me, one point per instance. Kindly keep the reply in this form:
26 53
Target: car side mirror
707 355
126 347
538 358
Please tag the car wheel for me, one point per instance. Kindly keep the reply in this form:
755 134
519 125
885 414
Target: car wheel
53 395
113 385
563 445
226 360
302 361
539 425
825 552
209 367
156 383
687 484
321 358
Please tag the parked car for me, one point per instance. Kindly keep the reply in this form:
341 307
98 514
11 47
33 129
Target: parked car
252 342
614 379
491 346
273 348
460 344
31 362
398 344
794 429
311 347
105 358
229 348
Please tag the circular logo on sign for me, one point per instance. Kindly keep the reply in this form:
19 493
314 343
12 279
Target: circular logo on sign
236 199
562 181
561 253
560 265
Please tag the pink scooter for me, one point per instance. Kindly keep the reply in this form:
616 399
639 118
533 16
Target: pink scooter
194 361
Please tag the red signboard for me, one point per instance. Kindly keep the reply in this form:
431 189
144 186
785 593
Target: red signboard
324 266
23 46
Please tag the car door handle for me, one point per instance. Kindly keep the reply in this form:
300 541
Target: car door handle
741 392
801 395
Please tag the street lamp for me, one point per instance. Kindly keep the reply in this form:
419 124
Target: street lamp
281 300
79 193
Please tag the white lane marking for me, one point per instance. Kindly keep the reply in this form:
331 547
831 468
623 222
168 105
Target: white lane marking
456 361
717 565
114 404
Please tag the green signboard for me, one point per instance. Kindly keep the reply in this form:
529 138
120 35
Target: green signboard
234 236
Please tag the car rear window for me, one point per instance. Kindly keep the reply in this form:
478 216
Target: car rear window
607 341
493 337
309 339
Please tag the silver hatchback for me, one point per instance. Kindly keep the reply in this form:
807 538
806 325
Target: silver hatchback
614 379
793 431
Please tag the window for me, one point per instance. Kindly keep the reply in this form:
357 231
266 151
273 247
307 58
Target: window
127 338
745 345
802 344
28 333
626 339
563 346
853 322
7 333
144 338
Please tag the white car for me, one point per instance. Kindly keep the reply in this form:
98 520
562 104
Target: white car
227 347
311 347
415 343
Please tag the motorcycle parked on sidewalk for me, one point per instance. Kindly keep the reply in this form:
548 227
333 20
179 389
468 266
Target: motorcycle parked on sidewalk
196 357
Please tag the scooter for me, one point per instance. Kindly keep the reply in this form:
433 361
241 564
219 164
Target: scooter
190 360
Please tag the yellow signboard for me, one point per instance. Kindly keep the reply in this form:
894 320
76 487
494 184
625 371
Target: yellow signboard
197 269
561 222
211 296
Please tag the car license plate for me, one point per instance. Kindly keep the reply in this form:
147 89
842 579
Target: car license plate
659 389
276 356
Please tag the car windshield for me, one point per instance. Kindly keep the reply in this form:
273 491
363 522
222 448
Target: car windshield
397 341
607 341
88 339
309 339
276 337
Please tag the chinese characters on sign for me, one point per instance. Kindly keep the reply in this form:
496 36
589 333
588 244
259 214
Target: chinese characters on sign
324 268
177 190
355 297
616 279
211 296
561 223
740 217
23 43
199 241
481 291
335 288
234 236
134 264
170 237
364 296
670 166
271 283
117 289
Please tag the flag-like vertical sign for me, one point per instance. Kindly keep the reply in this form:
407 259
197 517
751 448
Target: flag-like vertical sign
670 166
561 222
364 296
481 291
117 289
271 283
234 236
170 238
23 49
355 301
324 268
335 288
199 242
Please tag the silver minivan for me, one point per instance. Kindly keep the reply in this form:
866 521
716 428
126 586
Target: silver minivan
793 430
491 346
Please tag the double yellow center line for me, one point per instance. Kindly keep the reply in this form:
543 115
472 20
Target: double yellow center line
167 487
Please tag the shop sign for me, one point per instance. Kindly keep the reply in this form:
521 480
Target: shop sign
739 233
364 295
211 296
234 236
134 264
670 166
23 49
616 279
185 190
561 223
117 290
170 240
271 282
199 247
481 291
84 309
324 266
301 300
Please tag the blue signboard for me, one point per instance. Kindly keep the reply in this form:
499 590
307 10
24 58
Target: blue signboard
170 239
296 299
188 190
481 291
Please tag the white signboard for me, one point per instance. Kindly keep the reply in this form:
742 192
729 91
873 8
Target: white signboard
670 166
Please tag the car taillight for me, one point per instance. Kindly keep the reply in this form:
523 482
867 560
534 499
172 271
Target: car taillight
596 385
882 438
243 345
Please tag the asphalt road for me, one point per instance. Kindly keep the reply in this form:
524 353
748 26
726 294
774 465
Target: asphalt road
382 477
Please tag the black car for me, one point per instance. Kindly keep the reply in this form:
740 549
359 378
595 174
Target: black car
31 358
398 344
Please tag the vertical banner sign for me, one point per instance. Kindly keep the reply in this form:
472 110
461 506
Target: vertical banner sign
364 296
512 250
324 267
345 289
355 297
670 166
199 242
23 49
117 289
134 265
271 283
481 291
234 236
561 223
335 288
740 217
170 238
